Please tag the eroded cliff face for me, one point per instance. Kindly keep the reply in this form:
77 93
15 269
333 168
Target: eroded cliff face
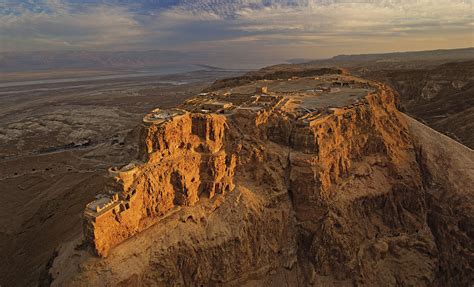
265 195
181 160
359 200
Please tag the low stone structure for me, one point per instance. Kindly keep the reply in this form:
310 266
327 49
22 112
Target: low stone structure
216 107
158 116
261 90
101 203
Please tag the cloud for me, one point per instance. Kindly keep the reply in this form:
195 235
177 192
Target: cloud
329 16
240 28
56 25
315 28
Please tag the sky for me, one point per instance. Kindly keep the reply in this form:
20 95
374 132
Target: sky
251 30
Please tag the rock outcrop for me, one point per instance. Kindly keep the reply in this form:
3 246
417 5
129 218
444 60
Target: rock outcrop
298 188
181 158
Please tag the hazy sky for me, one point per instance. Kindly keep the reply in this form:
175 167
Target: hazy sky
250 29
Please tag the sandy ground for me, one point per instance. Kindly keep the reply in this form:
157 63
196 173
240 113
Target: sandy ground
56 141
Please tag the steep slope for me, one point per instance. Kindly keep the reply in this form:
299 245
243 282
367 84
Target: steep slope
304 185
448 175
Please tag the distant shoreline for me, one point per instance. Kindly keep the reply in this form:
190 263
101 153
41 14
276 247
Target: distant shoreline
130 74
80 79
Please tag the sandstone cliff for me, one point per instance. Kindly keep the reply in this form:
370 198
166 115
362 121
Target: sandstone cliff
283 189
182 159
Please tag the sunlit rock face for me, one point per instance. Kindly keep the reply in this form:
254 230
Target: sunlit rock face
320 180
183 157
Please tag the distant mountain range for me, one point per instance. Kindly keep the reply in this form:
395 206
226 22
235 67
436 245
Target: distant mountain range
49 60
430 55
154 59
449 54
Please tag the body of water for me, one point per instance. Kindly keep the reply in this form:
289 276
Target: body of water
103 77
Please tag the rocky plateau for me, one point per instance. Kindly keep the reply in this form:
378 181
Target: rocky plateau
314 179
